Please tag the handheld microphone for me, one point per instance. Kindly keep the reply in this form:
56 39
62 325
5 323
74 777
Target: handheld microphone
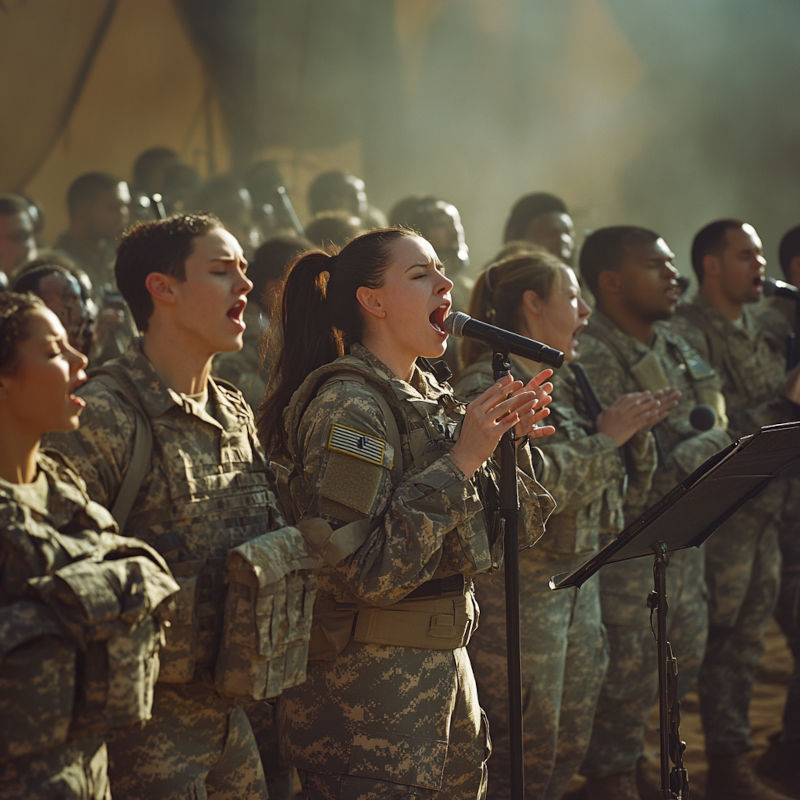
781 289
702 418
501 340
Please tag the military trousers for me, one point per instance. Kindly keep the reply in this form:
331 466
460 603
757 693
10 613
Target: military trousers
743 573
630 688
564 657
197 746
384 721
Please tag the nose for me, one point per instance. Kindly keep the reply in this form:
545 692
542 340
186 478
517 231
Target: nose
245 285
583 308
77 362
671 272
445 285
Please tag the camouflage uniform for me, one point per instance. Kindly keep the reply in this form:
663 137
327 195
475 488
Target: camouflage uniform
78 641
207 492
564 651
617 364
743 556
390 707
244 368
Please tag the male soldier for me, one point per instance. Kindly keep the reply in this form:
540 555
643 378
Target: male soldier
17 236
542 218
778 318
743 557
625 349
204 494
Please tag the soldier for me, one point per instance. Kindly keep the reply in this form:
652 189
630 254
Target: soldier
202 497
542 218
384 452
625 348
778 317
743 557
564 651
80 607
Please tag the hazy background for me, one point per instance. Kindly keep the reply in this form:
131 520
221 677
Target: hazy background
663 114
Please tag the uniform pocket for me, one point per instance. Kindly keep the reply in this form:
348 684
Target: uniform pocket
37 681
179 654
400 759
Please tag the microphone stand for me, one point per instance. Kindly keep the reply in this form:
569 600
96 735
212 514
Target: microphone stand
509 518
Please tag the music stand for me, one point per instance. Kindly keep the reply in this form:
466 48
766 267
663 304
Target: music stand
685 517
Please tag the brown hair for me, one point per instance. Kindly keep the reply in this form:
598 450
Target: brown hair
15 308
320 318
498 292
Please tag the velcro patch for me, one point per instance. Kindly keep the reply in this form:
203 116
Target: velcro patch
355 443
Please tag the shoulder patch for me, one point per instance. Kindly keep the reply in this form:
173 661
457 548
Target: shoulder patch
343 439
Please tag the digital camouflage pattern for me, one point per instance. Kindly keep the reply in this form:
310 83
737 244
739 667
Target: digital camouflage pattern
743 556
776 318
381 720
612 360
208 491
564 652
79 634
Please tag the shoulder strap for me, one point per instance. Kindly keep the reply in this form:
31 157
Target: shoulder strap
593 405
118 383
716 346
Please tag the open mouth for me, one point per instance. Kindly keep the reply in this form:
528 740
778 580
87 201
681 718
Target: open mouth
758 282
235 313
438 316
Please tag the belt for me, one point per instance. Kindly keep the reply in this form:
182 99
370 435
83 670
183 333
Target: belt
438 587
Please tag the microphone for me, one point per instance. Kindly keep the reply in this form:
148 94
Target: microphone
501 340
781 289
702 418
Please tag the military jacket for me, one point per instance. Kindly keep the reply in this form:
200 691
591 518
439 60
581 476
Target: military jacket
429 519
585 471
208 490
618 363
80 611
750 363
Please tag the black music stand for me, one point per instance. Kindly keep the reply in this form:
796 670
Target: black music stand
685 517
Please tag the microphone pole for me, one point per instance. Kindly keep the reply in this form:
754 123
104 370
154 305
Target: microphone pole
509 521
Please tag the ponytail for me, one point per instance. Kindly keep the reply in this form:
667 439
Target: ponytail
320 319
497 295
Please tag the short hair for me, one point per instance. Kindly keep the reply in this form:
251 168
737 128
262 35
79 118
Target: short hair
788 249
333 228
27 279
328 185
272 260
12 204
157 246
15 308
605 248
711 240
86 188
529 207
150 161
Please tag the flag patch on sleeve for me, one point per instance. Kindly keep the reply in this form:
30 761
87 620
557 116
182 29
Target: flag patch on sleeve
355 443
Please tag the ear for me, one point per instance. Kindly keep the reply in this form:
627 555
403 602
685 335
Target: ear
609 281
532 303
794 271
161 287
711 266
370 301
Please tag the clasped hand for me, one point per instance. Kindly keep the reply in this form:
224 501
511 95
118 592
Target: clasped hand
507 404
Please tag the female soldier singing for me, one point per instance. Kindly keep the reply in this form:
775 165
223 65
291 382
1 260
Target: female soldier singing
386 453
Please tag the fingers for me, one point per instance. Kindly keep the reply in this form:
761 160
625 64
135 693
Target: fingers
539 379
496 392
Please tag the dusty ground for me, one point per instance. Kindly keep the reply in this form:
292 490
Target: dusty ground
765 718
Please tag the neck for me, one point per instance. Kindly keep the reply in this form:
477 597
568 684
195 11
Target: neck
18 451
629 323
175 359
715 297
402 365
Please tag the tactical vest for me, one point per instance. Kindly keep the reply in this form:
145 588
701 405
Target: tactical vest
216 506
79 648
440 614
